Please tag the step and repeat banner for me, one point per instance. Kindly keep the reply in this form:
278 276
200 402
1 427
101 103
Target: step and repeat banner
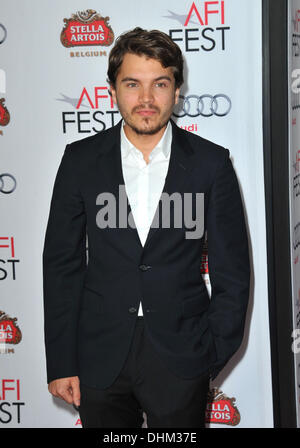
294 176
53 90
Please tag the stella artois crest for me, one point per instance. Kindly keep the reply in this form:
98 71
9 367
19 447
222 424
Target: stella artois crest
9 331
4 114
86 28
204 259
221 409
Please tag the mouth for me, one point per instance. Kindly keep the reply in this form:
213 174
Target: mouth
146 111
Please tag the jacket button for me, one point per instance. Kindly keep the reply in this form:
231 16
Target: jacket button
132 310
144 267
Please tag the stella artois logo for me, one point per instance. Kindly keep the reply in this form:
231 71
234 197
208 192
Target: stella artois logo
9 331
4 114
86 28
221 409
204 258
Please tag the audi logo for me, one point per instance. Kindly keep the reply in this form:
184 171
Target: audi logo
296 236
204 105
7 183
3 33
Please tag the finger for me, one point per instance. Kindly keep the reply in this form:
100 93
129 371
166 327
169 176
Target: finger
66 395
76 394
52 390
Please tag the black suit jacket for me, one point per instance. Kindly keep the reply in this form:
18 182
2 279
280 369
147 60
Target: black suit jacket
91 305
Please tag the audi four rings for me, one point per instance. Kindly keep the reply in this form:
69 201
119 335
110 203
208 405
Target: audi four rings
4 184
3 33
205 105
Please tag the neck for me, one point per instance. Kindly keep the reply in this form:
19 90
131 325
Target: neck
144 142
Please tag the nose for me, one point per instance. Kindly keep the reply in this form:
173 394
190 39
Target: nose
146 94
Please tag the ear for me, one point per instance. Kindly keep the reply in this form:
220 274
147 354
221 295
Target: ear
113 93
177 91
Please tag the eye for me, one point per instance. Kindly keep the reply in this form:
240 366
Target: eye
161 84
131 84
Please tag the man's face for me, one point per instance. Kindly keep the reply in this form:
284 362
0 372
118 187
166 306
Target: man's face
145 94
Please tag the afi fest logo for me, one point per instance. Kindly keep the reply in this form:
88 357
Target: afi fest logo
10 401
296 176
296 35
296 21
84 29
7 246
102 113
202 26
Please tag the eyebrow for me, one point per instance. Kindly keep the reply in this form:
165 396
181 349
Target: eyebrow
164 77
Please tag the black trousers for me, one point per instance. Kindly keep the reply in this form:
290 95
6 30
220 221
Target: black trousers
145 384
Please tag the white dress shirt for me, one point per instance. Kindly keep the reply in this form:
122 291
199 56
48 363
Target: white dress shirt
144 181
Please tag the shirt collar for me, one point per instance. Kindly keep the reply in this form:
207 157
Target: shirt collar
163 146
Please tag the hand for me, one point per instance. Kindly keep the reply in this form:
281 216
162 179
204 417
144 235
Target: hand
66 389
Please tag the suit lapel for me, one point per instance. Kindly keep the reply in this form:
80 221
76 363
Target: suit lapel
180 167
110 169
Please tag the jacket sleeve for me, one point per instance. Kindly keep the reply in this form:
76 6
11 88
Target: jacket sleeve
228 264
64 265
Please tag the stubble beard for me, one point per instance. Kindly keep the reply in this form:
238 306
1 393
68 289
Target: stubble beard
147 129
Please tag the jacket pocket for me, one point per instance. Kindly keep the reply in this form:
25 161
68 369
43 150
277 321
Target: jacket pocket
194 306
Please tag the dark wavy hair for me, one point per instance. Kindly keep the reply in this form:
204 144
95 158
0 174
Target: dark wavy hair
153 44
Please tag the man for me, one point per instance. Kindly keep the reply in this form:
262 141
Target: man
134 329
